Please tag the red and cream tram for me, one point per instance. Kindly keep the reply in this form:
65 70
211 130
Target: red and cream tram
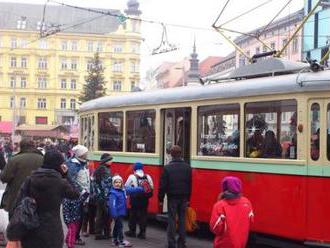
272 132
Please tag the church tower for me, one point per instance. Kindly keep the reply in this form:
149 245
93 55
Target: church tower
193 73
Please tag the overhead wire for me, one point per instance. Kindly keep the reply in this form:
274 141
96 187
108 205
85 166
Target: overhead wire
246 12
132 18
277 14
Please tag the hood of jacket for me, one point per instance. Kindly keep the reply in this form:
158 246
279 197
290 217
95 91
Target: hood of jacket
139 173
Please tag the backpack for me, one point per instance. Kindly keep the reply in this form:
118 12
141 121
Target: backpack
145 184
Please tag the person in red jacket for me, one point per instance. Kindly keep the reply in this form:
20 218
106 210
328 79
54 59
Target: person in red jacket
231 216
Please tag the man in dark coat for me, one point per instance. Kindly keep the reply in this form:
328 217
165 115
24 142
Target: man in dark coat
2 161
102 185
175 182
48 187
17 170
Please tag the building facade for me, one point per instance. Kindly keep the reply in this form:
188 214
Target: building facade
316 39
276 35
41 79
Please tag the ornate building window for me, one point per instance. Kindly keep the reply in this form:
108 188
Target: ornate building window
23 62
13 62
22 102
64 64
132 85
42 82
74 64
90 46
73 84
63 103
99 46
23 82
42 63
12 82
12 102
42 103
43 44
117 85
74 45
73 104
64 45
117 47
13 42
117 66
134 67
63 83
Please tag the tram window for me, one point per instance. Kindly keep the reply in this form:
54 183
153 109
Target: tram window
218 130
270 129
111 131
141 131
328 132
315 131
88 132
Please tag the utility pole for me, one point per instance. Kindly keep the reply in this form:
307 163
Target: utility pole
14 111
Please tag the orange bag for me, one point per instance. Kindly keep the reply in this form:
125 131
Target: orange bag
191 220
14 244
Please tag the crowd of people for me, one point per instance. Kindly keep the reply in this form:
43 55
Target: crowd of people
94 201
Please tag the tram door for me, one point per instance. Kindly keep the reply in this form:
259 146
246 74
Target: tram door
176 132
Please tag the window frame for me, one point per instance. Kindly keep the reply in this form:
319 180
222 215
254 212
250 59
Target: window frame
277 123
126 135
122 129
221 107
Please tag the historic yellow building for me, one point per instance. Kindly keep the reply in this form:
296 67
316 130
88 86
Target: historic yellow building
41 79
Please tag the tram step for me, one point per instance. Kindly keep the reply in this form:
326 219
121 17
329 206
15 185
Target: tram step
162 217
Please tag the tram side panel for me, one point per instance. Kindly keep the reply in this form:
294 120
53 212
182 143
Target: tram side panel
279 201
318 209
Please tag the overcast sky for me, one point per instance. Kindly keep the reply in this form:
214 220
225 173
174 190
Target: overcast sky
197 13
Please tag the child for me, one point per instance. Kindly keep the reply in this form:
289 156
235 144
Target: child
139 202
231 216
117 208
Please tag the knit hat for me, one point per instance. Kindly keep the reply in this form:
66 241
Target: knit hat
105 157
79 150
138 166
116 177
232 184
53 160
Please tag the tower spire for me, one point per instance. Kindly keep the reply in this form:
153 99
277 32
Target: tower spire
193 74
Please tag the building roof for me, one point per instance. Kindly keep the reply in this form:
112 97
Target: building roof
206 65
284 21
6 127
55 15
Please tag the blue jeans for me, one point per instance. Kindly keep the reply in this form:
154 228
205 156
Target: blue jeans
117 233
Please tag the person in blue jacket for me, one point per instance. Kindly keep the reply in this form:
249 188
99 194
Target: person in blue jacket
118 209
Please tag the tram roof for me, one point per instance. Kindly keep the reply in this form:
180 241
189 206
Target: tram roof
311 81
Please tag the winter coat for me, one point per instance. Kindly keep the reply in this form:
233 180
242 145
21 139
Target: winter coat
2 161
117 200
79 179
230 222
15 172
48 188
175 181
138 200
102 183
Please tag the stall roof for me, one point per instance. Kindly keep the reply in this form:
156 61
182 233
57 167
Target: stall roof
6 127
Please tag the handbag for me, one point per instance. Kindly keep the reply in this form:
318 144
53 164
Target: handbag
25 217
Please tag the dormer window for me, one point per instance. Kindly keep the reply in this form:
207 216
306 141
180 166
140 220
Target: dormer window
41 26
21 24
